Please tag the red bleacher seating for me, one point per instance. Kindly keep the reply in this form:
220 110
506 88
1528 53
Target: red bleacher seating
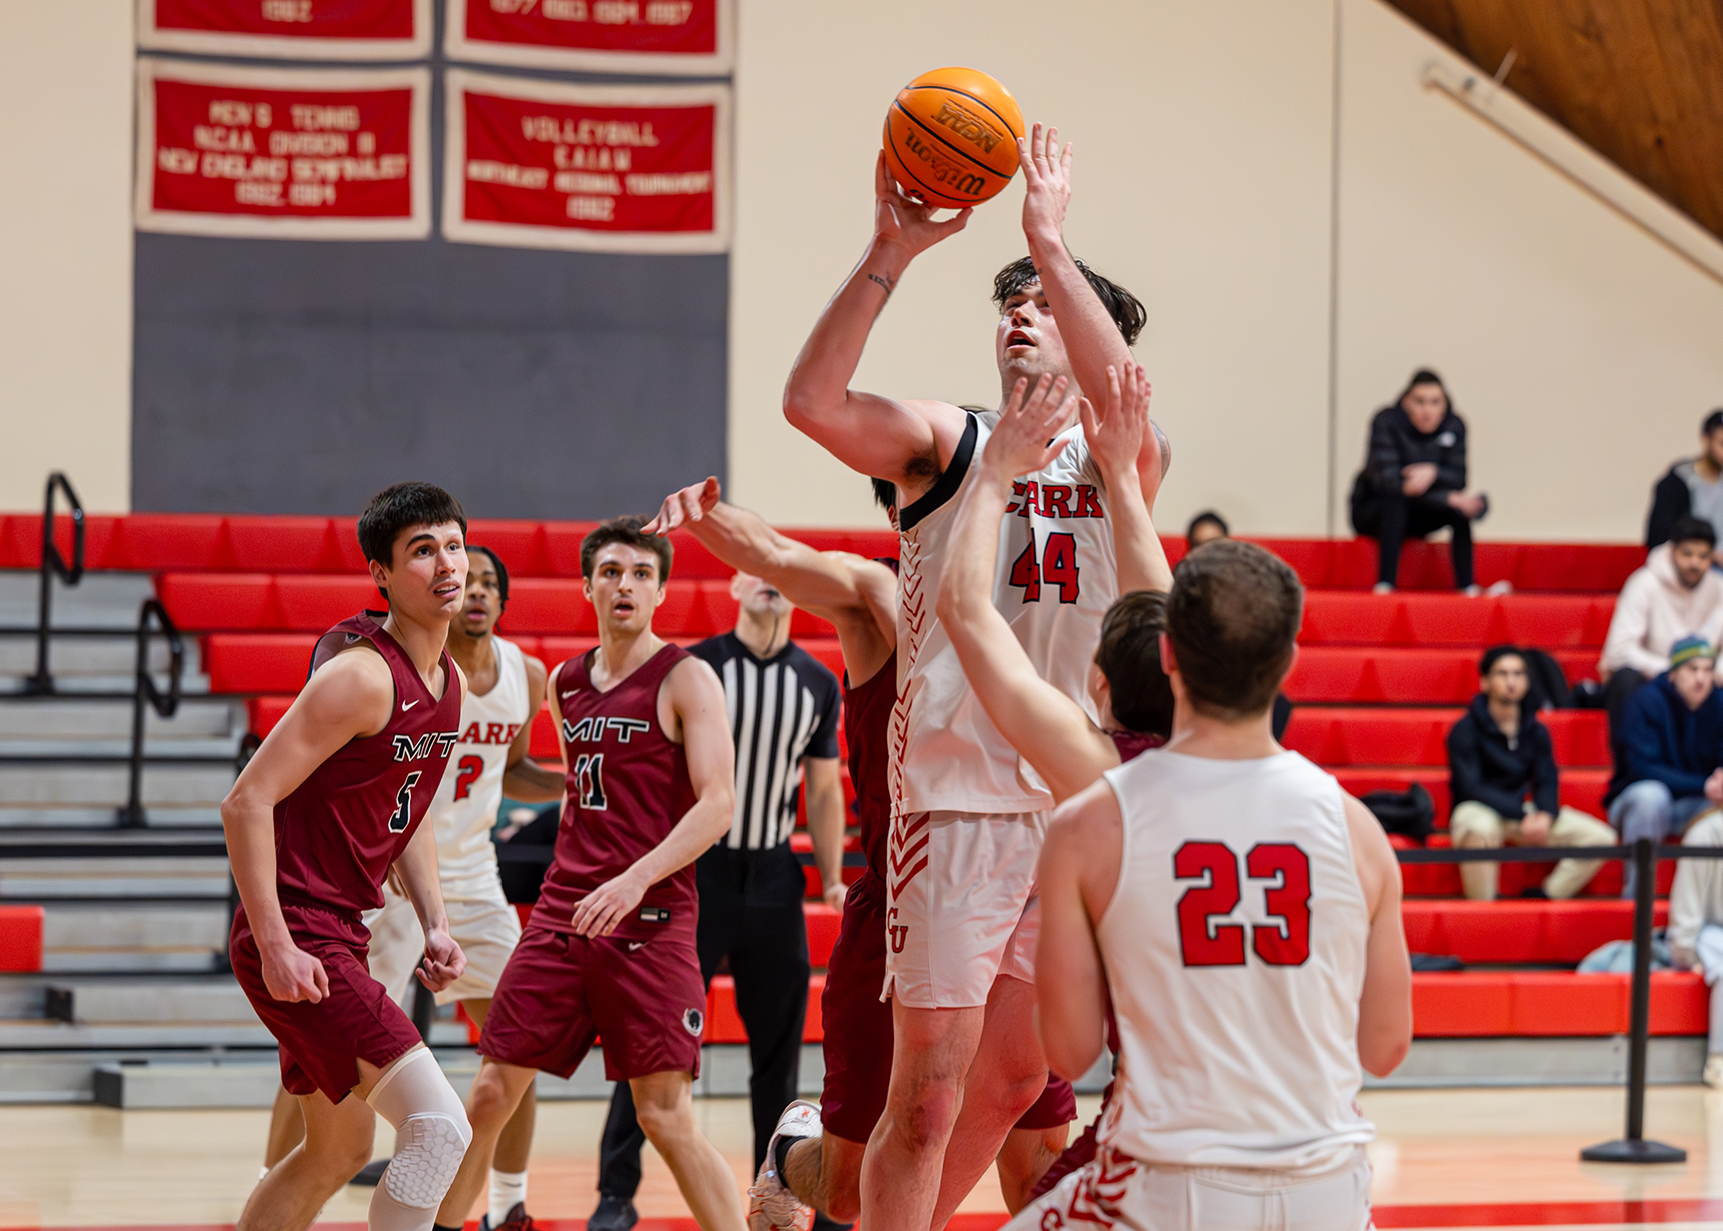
1548 621
20 939
1482 1004
1351 675
1361 736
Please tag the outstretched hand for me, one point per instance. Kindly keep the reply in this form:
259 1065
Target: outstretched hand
1117 430
898 219
1022 441
1047 174
680 507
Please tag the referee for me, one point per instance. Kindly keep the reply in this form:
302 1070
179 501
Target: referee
784 707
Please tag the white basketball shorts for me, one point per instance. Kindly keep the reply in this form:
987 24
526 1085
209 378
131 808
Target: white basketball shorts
1117 1191
959 910
487 931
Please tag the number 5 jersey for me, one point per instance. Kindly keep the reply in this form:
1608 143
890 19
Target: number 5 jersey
1234 948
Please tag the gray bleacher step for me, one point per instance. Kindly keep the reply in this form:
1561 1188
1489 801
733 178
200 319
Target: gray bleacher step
66 684
30 880
109 1002
94 656
1594 1061
121 936
52 718
75 821
223 746
99 599
47 1035
87 785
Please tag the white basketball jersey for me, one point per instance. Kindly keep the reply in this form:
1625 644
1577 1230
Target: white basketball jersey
464 810
1055 579
1234 947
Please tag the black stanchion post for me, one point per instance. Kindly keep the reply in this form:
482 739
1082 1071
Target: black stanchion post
1634 1148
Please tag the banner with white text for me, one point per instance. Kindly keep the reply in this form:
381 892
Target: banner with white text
541 164
283 153
289 29
676 37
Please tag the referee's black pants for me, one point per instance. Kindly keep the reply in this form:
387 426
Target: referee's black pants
750 913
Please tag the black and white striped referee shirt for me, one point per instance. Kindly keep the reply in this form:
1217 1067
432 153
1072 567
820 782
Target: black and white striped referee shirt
782 709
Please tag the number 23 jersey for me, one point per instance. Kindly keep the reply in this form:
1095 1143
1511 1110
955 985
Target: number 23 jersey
1234 947
1055 578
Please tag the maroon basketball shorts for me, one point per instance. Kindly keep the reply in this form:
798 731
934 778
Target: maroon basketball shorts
639 990
1056 1107
1079 1154
856 1021
321 1043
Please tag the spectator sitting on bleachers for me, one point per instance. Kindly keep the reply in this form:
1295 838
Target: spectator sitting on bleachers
1414 480
1696 927
1672 733
1675 594
1691 488
1206 527
1498 753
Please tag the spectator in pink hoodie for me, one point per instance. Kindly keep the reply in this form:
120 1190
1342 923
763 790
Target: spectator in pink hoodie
1676 594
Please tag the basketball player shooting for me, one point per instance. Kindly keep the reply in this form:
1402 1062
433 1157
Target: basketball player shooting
1243 915
967 825
610 947
330 803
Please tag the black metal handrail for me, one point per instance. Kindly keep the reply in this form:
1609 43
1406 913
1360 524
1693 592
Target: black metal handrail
132 815
53 563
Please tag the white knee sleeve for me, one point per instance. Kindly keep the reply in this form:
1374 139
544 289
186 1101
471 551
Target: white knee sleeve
431 1130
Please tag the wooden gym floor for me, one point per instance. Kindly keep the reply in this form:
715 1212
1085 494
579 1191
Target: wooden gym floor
1445 1159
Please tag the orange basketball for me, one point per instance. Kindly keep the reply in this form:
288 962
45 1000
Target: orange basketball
951 137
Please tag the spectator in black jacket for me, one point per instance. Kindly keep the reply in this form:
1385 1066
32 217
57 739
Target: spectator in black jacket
1499 753
1414 480
1690 488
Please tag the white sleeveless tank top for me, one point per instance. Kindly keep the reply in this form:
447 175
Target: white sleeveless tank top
464 809
1234 947
1055 579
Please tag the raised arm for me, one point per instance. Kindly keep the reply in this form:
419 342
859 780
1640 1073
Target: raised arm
349 697
1385 1005
700 723
907 443
524 778
1049 729
1092 338
859 596
1116 430
1077 875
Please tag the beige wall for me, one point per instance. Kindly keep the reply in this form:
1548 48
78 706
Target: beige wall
66 249
1581 350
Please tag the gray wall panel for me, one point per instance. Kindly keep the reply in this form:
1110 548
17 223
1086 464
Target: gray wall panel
301 377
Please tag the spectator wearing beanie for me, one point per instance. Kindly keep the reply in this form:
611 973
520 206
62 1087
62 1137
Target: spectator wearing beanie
1414 480
1690 488
1672 734
1499 753
1675 594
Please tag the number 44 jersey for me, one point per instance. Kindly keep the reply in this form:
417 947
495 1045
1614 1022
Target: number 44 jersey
1055 578
628 786
1234 946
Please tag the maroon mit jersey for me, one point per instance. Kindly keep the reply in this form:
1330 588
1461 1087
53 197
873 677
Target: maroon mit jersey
339 831
628 786
867 727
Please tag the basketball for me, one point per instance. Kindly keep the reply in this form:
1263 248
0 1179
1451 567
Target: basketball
951 137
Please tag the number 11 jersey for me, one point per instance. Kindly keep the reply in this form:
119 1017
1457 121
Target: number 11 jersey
1234 947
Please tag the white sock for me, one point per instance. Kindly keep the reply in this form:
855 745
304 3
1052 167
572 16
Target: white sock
508 1189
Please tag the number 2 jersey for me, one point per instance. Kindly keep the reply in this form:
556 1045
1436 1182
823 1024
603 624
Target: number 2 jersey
628 786
1234 947
1055 578
340 829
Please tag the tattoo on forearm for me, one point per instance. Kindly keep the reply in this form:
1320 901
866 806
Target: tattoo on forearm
888 283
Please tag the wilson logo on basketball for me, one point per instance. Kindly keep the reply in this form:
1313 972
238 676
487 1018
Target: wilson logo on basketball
946 172
967 126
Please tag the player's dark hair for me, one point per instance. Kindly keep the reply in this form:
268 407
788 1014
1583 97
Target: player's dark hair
1424 376
1233 618
401 507
1688 527
1125 308
1129 655
1208 517
1496 653
502 571
1713 422
625 530
884 494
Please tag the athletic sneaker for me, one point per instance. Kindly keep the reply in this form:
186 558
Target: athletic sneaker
771 1204
612 1214
518 1220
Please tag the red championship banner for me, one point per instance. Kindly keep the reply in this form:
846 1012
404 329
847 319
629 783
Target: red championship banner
291 29
283 153
541 164
614 36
